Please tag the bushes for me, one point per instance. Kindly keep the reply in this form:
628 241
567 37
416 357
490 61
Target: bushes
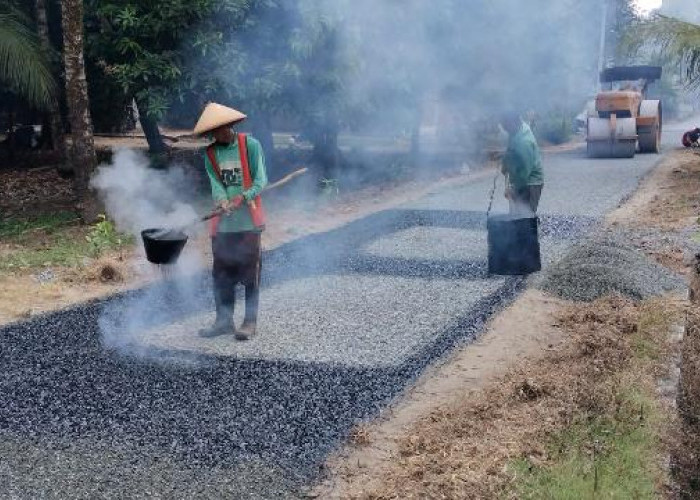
555 127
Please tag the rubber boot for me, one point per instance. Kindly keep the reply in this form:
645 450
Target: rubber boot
249 327
223 324
247 330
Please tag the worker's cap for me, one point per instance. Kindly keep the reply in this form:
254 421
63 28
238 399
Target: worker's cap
215 116
507 117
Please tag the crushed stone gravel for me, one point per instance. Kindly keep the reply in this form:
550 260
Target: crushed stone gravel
606 263
286 402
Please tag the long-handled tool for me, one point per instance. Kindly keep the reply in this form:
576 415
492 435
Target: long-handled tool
163 246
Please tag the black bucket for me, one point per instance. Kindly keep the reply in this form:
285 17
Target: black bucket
163 246
514 246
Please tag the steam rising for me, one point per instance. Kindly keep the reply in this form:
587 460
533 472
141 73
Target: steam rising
138 197
437 71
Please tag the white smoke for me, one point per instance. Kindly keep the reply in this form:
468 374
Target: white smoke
138 197
685 10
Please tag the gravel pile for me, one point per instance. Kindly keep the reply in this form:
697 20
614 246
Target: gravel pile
607 263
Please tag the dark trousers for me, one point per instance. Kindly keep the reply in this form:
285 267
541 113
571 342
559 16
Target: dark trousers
525 201
237 260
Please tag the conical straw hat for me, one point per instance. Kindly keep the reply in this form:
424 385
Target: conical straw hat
216 115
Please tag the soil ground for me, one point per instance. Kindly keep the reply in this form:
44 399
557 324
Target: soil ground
409 452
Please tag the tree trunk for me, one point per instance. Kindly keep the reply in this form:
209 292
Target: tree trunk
56 134
11 142
695 282
326 151
82 155
156 145
262 130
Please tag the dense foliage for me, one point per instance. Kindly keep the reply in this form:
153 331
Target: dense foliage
396 68
24 65
677 40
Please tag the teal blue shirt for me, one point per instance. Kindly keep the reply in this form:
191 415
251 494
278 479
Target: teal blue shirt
230 184
523 161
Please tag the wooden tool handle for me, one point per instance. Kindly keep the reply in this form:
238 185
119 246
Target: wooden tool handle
284 180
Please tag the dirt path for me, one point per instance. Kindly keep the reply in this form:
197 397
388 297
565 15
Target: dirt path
667 200
668 197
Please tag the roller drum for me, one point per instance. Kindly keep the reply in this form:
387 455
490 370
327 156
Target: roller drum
650 126
612 138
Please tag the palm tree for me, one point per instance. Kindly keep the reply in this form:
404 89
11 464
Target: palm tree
674 38
24 67
55 125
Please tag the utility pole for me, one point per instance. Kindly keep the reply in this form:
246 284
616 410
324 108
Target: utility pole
603 40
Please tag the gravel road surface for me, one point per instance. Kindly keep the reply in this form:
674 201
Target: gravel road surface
120 399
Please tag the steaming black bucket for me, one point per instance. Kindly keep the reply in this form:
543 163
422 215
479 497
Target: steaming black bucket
163 246
514 246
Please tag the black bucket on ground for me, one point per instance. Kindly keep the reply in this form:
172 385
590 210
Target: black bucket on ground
163 246
514 246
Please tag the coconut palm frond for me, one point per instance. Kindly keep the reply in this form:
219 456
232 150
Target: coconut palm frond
24 67
674 38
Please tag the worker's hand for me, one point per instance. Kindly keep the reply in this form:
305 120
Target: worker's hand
236 202
508 194
224 206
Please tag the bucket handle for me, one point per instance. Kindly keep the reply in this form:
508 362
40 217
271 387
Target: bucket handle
492 195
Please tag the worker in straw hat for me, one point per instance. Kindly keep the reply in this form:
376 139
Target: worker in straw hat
235 164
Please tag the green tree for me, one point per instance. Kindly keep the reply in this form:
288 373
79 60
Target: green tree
251 67
149 47
24 65
322 95
672 38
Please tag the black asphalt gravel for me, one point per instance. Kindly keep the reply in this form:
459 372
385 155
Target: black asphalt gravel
60 385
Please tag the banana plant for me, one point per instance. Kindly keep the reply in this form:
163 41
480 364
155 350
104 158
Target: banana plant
24 66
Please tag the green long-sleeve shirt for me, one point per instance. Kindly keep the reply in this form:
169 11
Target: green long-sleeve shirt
230 184
522 161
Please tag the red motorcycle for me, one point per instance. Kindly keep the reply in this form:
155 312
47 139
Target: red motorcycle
691 139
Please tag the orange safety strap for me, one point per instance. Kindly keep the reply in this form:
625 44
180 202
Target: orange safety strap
257 213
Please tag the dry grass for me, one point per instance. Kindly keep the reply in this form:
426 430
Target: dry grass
676 200
468 450
687 455
360 435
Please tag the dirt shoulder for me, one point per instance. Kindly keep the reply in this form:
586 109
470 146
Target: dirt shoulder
523 331
589 402
666 207
468 426
668 198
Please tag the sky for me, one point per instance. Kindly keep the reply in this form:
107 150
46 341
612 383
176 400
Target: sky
647 5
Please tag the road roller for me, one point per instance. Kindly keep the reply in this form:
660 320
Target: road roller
625 121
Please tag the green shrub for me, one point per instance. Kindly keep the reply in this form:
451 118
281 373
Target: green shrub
104 236
555 128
